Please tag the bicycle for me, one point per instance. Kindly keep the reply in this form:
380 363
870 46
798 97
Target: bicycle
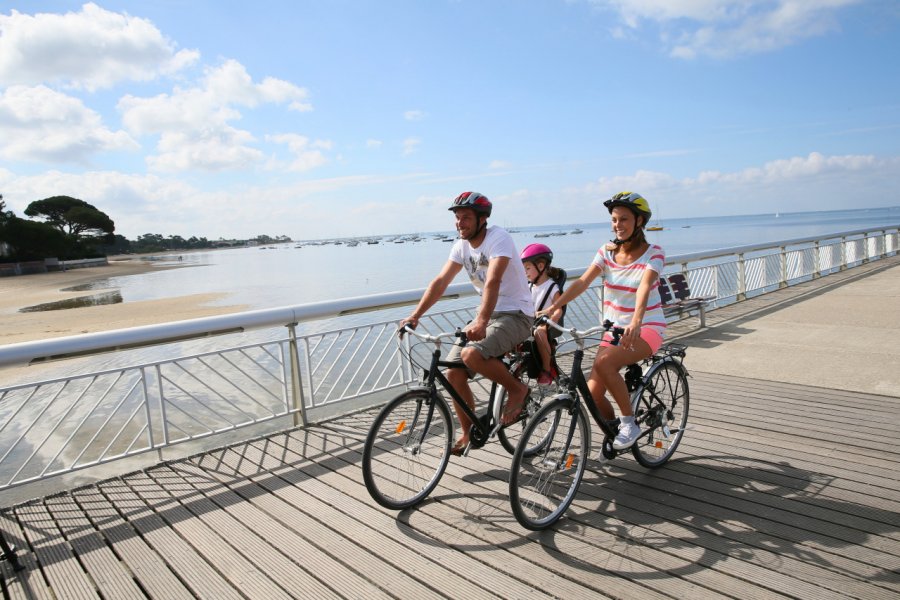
543 483
407 448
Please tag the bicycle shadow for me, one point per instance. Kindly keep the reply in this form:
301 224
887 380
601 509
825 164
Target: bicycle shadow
712 509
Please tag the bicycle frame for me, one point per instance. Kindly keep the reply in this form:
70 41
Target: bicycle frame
483 427
577 386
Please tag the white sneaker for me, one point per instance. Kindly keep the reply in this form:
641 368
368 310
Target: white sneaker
628 433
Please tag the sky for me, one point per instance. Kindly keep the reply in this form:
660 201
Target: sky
312 119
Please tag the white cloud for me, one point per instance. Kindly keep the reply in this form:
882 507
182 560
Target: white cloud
40 124
370 143
499 164
728 28
411 145
194 123
307 155
90 49
802 183
414 115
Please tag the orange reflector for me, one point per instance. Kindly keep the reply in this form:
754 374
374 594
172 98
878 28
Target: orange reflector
401 426
569 460
659 444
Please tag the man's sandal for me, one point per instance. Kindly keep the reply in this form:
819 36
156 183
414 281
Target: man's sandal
512 416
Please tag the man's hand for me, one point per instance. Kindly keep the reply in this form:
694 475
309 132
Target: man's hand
411 321
476 330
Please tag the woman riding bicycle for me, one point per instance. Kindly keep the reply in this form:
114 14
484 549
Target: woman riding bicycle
631 267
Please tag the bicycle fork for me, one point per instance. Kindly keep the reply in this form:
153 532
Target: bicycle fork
413 442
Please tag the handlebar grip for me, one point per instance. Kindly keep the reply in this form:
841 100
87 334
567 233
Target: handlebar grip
615 331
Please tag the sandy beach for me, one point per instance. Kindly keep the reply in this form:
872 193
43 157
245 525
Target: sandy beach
22 291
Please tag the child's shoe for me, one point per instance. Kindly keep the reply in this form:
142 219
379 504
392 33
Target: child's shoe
547 377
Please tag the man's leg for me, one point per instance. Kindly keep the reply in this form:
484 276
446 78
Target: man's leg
495 370
459 379
505 331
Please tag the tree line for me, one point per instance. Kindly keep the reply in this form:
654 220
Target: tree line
68 228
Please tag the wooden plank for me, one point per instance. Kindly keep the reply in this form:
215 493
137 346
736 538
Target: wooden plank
191 568
27 582
57 562
213 545
149 569
503 573
285 556
103 567
352 546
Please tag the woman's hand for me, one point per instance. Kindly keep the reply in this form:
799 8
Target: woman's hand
546 312
632 334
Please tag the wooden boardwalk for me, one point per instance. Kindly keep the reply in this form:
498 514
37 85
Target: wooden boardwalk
805 505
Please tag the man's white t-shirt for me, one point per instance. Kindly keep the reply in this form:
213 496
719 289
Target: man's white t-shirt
514 291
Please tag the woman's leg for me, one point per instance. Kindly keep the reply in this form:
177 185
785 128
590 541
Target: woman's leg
607 370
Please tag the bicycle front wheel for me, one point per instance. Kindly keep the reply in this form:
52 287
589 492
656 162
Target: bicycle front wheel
407 449
662 412
543 483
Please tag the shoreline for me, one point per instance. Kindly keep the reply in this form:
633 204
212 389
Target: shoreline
24 291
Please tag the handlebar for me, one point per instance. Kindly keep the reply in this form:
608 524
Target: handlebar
580 335
435 339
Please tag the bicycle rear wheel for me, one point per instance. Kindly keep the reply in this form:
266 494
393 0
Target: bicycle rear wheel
407 449
543 483
662 412
509 436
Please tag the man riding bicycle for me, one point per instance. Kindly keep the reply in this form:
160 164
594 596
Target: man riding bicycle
504 316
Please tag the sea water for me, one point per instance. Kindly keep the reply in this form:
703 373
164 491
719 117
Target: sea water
310 271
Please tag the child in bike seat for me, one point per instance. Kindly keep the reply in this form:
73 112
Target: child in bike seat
545 289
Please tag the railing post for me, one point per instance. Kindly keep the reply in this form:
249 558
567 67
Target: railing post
299 415
148 412
817 261
742 278
162 408
843 262
865 243
783 282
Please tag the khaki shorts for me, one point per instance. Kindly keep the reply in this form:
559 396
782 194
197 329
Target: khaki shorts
505 331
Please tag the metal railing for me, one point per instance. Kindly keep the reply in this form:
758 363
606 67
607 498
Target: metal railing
295 375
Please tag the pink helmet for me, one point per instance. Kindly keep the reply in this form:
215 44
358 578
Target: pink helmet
533 252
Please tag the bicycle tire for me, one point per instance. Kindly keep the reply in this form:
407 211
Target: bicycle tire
543 484
407 449
662 411
511 436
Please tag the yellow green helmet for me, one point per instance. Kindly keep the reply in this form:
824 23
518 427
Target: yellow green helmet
632 200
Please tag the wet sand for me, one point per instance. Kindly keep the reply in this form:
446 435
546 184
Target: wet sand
22 291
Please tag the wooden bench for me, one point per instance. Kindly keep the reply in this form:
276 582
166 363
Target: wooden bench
675 294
